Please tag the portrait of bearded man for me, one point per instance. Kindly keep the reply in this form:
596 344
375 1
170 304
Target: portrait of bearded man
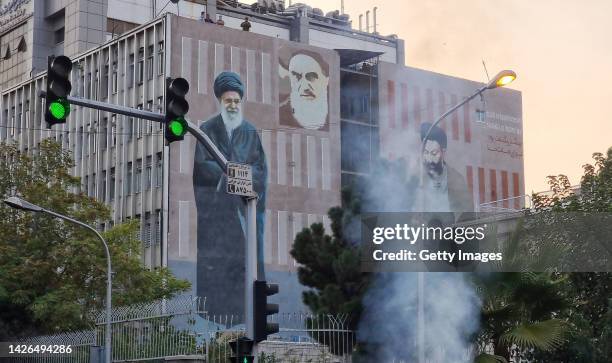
221 217
306 104
444 188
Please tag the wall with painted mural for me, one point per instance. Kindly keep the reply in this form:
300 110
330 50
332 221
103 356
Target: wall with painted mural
266 102
475 155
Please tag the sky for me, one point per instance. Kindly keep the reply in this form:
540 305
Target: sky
560 50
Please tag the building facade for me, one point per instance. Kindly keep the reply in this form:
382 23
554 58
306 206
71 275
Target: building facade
373 107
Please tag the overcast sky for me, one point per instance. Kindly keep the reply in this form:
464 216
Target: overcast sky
560 49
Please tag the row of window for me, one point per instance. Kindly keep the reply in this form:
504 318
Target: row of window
136 71
151 228
133 179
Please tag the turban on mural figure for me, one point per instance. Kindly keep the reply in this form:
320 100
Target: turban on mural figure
228 81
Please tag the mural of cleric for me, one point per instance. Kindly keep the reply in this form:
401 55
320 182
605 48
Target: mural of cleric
221 216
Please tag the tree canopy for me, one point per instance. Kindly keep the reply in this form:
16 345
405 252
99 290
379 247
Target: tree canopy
53 273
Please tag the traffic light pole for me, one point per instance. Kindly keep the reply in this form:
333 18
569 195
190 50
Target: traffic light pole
251 202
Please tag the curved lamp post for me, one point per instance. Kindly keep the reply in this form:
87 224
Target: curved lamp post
19 203
502 79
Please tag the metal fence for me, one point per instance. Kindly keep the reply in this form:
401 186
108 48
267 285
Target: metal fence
153 332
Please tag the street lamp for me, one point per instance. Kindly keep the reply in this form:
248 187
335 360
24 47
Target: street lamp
501 79
19 203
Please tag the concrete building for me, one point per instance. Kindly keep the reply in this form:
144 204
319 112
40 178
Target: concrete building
122 53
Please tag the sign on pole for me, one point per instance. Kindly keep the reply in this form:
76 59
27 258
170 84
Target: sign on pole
239 179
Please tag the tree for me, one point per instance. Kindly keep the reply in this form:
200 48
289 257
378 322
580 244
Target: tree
53 274
518 314
331 266
590 293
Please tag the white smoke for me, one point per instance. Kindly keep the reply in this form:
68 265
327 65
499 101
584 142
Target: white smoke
390 320
451 306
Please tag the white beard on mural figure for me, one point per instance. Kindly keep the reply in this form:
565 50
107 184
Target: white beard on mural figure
308 97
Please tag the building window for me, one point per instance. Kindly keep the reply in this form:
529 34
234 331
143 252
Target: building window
105 82
130 128
128 179
357 147
140 70
82 88
95 185
19 119
86 185
104 134
481 115
139 235
159 171
138 176
114 80
112 184
148 173
113 130
12 124
22 46
93 137
160 58
59 35
103 197
158 226
138 124
130 80
146 240
150 62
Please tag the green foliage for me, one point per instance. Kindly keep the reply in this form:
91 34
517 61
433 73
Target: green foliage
53 273
518 310
331 266
589 294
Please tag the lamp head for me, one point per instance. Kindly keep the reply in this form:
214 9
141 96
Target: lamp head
19 203
502 79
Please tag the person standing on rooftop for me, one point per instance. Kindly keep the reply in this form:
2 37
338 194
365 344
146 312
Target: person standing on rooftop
246 25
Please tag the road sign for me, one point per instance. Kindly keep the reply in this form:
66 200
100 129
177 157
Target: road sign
239 179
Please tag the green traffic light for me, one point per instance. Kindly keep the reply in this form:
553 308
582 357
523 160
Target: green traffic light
59 109
177 127
245 360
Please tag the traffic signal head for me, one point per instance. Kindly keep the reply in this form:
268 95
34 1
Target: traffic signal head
176 109
58 89
261 310
242 350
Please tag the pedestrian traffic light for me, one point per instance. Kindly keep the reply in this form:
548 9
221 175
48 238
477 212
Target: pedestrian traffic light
58 89
242 350
261 310
176 108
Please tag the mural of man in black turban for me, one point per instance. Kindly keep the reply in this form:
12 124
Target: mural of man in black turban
222 217
444 187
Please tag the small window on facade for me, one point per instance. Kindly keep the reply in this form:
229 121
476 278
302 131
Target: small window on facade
481 115
150 63
140 70
131 71
7 52
160 58
138 176
59 35
22 47
128 179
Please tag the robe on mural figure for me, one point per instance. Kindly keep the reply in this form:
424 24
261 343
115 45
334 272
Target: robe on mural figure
221 216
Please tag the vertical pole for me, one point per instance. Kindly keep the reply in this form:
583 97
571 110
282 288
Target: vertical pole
109 287
421 317
251 264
